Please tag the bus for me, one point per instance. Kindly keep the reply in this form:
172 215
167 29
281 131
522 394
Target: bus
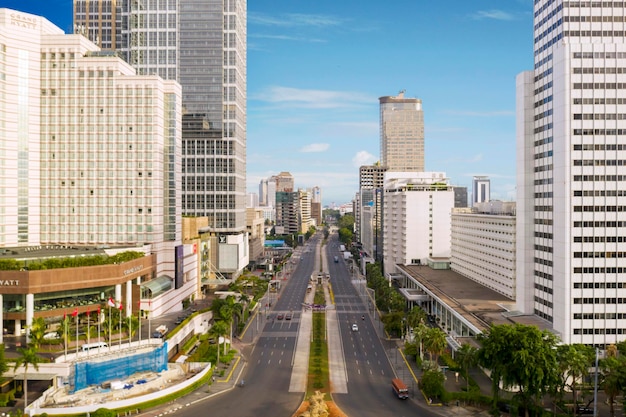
399 389
91 346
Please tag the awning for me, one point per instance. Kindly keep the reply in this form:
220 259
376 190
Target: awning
156 286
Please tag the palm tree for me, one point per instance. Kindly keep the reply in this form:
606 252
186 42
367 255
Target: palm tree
37 331
219 329
467 358
435 343
420 333
28 356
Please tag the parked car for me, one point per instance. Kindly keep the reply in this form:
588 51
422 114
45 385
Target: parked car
280 316
288 316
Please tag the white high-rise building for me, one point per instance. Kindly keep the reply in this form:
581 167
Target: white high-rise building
416 218
571 154
91 151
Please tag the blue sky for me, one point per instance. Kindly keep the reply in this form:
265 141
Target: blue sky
317 68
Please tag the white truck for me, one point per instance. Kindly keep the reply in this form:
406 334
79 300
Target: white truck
347 255
342 248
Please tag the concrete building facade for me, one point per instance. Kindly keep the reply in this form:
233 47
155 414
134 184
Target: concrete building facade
483 246
401 133
202 45
416 218
571 173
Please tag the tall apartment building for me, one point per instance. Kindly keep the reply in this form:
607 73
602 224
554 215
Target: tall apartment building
571 172
368 229
401 133
94 150
481 190
202 45
316 205
287 213
416 218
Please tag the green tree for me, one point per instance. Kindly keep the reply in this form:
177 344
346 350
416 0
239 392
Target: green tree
432 384
37 332
346 221
467 357
345 235
435 343
613 381
573 362
28 356
420 333
3 362
219 330
522 356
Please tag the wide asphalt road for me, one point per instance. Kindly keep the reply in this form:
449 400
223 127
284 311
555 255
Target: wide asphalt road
268 370
369 369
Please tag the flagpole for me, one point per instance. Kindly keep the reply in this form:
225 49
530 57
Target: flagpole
76 315
65 333
88 330
119 335
139 317
110 340
99 329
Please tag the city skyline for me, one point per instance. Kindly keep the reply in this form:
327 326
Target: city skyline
316 71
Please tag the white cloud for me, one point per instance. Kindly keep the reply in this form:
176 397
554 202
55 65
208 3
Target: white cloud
318 99
492 14
315 147
363 158
294 19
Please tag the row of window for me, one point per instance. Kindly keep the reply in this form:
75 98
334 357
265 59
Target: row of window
543 275
599 55
599 147
599 300
598 70
600 178
599 101
543 288
594 33
600 331
599 132
600 224
600 255
543 302
540 261
599 270
599 162
599 86
599 209
594 19
599 239
599 116
600 193
599 316
601 285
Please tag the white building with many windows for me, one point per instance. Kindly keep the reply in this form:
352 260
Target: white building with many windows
483 245
93 150
416 218
571 111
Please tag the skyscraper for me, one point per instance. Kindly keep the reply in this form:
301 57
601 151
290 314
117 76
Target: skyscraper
202 45
401 133
572 172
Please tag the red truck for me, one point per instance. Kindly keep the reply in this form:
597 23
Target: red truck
399 389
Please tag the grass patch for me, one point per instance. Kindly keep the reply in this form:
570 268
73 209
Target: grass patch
318 376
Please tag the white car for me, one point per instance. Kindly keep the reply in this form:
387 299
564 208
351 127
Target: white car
355 328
